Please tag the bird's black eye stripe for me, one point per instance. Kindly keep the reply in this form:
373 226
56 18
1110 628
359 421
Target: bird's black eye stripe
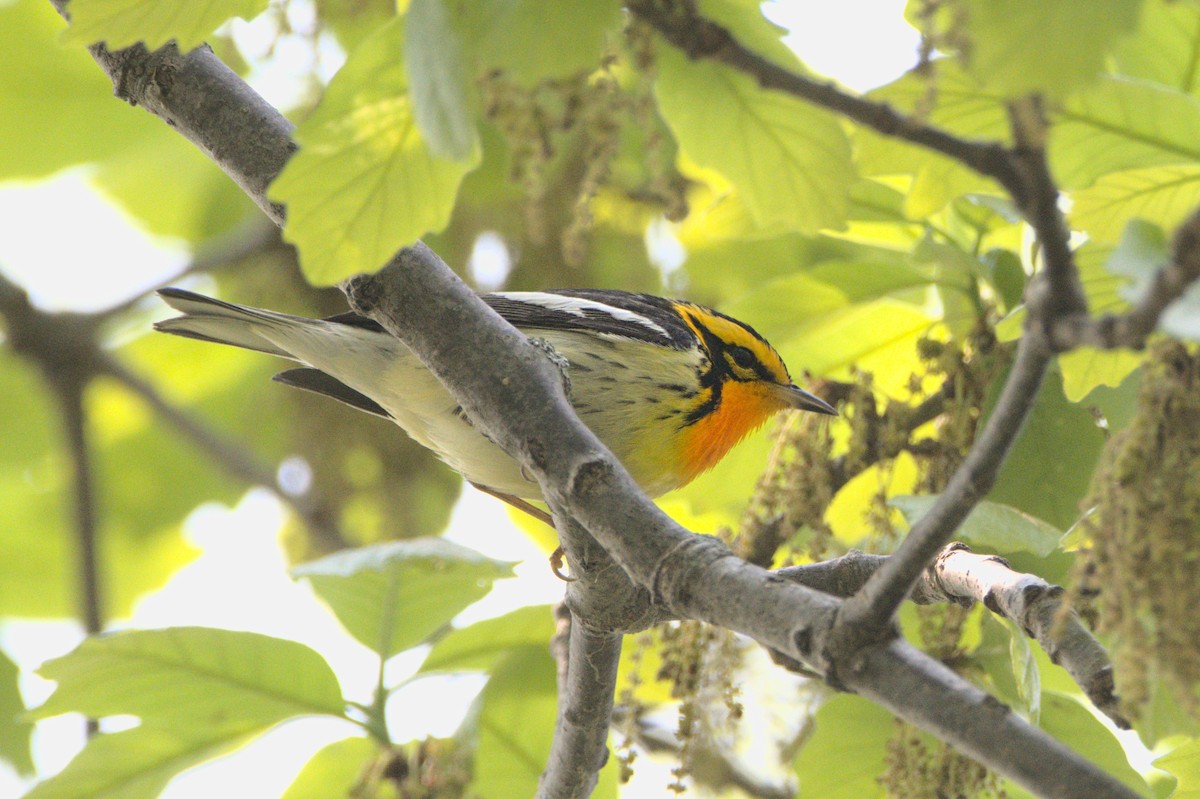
742 357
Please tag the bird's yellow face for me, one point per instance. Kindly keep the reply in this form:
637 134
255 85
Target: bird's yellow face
743 383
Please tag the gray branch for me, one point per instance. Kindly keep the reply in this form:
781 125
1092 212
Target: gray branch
587 668
514 395
963 577
1133 328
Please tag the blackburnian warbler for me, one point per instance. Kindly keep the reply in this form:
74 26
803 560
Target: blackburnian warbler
669 386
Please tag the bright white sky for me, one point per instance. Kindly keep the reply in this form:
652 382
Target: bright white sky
861 43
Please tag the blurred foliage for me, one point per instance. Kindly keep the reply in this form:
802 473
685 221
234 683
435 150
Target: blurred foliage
594 154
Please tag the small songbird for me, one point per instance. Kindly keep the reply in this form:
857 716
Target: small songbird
669 386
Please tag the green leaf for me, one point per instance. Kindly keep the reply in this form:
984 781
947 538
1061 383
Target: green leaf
364 182
394 596
1027 676
138 763
843 312
121 23
56 107
1163 195
1021 47
1065 718
192 678
1122 124
1118 404
1085 369
990 525
15 731
877 337
1050 465
481 645
847 752
789 161
1164 47
531 40
1184 763
334 771
959 106
440 90
515 726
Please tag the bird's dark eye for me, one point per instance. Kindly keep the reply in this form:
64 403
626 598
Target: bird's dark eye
742 357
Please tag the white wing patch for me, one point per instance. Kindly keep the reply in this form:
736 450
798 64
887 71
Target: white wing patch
577 306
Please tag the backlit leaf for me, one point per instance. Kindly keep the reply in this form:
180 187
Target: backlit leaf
192 677
1184 763
533 40
71 116
481 645
138 763
1086 368
515 726
991 525
365 182
948 99
1020 47
1069 721
1050 465
1163 195
437 69
789 161
1164 47
394 596
334 771
15 731
120 23
847 751
1122 124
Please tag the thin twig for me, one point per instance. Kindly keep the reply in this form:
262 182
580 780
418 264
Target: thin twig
1133 328
869 611
699 38
1060 294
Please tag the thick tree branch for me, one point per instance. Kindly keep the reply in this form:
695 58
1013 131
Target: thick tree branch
207 103
928 694
513 394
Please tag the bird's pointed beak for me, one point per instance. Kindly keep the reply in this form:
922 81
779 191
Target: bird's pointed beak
798 398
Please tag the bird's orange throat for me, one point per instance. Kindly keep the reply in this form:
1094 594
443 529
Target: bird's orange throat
744 408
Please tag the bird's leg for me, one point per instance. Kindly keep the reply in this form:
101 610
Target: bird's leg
556 557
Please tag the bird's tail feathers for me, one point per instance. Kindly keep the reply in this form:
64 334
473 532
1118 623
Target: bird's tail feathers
222 322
